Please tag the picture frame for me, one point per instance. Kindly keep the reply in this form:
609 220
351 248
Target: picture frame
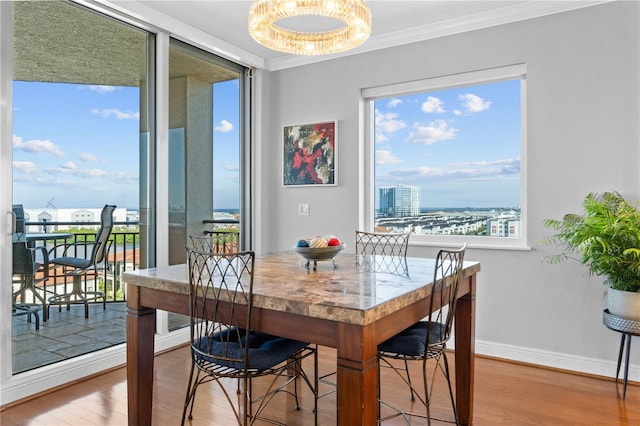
309 154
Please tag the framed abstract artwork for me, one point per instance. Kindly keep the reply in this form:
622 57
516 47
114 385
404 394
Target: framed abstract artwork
309 154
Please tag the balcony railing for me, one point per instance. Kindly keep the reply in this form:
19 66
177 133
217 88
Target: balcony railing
224 235
123 255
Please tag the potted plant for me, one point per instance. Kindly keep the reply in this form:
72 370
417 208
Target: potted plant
606 238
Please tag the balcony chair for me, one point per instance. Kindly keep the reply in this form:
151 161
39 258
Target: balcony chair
28 272
427 339
78 267
19 218
383 252
223 345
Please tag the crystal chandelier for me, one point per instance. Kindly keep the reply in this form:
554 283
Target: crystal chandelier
354 14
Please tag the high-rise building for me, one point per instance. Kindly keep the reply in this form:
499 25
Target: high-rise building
399 201
504 226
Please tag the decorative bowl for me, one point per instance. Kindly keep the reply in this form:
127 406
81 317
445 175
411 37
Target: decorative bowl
319 253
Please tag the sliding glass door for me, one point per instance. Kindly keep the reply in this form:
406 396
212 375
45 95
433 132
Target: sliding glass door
81 139
88 119
205 134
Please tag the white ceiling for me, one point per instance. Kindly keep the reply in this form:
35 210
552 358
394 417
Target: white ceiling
394 22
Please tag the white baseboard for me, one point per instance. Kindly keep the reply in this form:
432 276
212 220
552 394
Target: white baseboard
36 381
569 362
40 380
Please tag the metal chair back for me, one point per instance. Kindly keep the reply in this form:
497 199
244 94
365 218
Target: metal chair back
216 278
446 279
383 244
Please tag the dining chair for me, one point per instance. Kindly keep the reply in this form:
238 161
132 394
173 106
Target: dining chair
375 251
83 258
29 270
382 244
224 345
427 339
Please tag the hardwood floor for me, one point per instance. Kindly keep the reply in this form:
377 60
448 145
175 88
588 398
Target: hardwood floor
505 394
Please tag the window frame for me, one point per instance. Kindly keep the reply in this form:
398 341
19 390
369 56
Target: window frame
367 151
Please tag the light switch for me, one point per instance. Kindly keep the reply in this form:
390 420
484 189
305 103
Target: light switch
303 209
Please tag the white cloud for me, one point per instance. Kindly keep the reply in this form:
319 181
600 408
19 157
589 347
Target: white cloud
384 156
503 166
120 115
69 165
224 126
80 178
91 173
232 167
470 170
474 103
436 131
69 168
381 138
433 105
59 170
457 112
394 102
25 167
37 146
421 172
102 88
87 157
388 123
123 178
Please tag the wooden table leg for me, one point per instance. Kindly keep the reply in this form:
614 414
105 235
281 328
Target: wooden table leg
141 327
357 376
465 329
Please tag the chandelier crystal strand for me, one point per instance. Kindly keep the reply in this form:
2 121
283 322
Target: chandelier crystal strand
263 27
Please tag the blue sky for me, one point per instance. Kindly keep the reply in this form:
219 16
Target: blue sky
78 145
226 137
460 146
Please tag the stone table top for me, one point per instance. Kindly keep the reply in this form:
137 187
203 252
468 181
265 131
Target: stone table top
354 292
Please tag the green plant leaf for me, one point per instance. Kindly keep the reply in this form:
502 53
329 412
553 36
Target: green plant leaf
605 236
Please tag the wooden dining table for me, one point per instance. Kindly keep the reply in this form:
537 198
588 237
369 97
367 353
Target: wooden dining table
349 308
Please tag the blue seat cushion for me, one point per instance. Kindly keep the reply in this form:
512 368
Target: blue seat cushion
412 341
227 348
74 262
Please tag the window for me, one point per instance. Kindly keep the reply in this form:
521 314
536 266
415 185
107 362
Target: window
446 158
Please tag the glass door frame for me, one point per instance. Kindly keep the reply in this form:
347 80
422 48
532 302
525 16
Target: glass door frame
15 387
6 183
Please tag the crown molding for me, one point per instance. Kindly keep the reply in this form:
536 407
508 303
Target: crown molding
156 20
504 15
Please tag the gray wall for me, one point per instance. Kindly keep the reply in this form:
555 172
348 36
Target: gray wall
583 134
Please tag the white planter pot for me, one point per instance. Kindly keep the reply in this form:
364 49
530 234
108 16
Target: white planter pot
624 304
